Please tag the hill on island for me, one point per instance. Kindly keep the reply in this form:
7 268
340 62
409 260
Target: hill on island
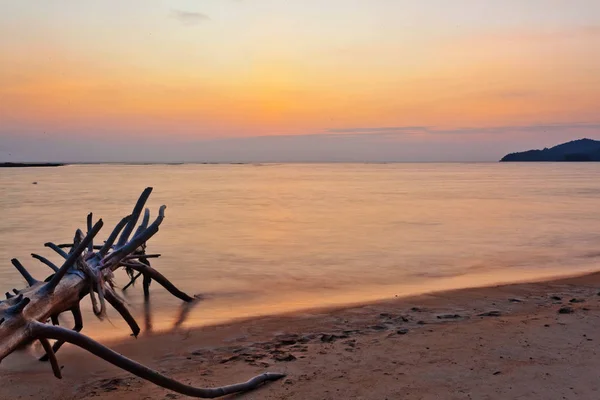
576 150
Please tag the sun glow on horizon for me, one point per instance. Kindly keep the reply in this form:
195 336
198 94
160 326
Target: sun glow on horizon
236 69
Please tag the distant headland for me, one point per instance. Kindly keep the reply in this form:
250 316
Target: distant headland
24 165
576 150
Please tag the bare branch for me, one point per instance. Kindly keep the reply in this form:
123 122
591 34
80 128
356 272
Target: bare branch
57 249
23 271
89 229
70 245
150 272
120 307
144 223
45 261
137 241
73 257
78 319
100 290
95 309
113 236
135 215
54 332
51 357
132 281
137 256
76 240
21 303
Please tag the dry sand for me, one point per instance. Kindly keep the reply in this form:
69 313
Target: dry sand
503 342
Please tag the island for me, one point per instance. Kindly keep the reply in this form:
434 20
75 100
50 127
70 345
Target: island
24 165
576 150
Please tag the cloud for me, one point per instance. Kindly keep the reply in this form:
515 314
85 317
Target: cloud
410 130
376 144
380 129
189 18
534 128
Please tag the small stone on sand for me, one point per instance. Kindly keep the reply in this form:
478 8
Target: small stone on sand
515 300
491 314
379 327
284 357
448 316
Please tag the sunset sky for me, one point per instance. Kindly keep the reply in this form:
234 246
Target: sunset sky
275 80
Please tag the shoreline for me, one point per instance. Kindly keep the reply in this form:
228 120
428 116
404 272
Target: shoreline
163 321
512 337
378 303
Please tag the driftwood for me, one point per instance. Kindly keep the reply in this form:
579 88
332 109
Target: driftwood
87 269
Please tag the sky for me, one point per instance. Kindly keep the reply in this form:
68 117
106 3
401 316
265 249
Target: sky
310 80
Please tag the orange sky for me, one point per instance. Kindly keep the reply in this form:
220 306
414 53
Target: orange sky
241 69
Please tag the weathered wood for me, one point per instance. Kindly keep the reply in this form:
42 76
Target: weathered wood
44 260
51 356
23 318
56 332
23 271
78 320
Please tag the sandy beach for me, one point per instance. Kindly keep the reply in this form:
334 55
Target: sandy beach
521 341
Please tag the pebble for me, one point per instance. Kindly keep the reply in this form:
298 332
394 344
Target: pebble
287 342
326 338
379 327
491 314
448 316
565 310
288 339
228 359
403 331
284 357
515 300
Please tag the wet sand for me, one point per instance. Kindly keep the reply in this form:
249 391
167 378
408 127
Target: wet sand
523 341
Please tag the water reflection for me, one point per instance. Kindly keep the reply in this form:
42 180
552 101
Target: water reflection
147 316
184 312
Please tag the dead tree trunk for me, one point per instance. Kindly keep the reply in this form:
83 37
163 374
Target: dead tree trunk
87 269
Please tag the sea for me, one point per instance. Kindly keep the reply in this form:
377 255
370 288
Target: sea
262 239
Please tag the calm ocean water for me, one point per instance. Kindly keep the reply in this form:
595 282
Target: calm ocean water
261 239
